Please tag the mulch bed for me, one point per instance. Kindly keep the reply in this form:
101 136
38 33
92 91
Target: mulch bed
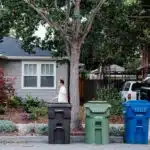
17 116
9 134
116 120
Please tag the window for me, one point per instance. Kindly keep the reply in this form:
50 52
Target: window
136 86
38 75
127 87
30 75
146 83
47 75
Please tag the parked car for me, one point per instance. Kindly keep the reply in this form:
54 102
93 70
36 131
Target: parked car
130 89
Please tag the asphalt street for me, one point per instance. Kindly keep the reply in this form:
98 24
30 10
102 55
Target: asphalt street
45 146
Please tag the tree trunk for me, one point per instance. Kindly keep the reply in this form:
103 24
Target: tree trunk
74 85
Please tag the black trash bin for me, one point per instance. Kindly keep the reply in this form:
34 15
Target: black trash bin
59 117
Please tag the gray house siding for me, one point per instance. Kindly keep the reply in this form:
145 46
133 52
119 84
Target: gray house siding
14 68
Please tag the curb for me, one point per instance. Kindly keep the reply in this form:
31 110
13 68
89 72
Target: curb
44 139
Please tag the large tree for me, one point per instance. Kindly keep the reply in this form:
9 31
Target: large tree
115 35
70 20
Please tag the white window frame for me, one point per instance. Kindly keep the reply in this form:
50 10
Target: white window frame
38 63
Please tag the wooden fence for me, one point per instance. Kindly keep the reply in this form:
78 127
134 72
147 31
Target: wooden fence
88 88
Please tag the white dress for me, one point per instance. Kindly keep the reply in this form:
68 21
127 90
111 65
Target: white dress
62 96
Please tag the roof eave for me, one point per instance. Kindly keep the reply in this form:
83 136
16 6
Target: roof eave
35 58
2 56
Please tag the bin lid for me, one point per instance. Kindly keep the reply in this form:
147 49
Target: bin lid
59 105
138 106
97 106
136 102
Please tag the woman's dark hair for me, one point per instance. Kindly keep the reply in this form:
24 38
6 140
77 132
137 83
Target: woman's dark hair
62 81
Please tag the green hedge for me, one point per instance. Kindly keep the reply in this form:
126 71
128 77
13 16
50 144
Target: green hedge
112 96
42 130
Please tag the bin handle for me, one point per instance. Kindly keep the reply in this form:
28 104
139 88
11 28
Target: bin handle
139 126
59 110
59 128
59 125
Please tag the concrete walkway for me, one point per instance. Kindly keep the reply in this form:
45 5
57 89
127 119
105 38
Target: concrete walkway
45 146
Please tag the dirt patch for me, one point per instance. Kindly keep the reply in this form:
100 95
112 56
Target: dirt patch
116 120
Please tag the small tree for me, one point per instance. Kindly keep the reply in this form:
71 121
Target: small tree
6 88
65 20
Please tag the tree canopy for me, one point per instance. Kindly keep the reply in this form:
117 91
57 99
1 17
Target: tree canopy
117 30
66 20
116 34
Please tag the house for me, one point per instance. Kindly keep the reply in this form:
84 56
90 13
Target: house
111 71
36 74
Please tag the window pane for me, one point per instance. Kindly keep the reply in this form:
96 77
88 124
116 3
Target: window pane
127 87
47 69
30 81
47 81
34 69
26 69
43 69
30 69
136 86
147 83
51 69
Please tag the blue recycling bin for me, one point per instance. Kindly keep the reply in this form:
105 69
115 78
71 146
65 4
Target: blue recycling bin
136 116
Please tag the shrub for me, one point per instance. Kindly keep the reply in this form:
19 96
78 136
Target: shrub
7 126
36 112
2 109
113 98
33 116
6 88
25 116
116 131
30 129
15 102
42 130
30 102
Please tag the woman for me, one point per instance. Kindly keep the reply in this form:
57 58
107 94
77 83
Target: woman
62 95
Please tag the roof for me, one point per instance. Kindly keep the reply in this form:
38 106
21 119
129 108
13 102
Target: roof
12 47
113 68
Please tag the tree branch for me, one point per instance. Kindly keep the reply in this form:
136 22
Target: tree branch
55 2
140 17
91 19
68 10
51 23
67 49
77 21
67 14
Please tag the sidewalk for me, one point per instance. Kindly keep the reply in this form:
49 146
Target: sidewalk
45 146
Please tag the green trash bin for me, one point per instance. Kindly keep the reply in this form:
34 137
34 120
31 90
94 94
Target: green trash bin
96 122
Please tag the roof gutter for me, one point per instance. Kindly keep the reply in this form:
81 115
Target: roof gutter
3 56
35 58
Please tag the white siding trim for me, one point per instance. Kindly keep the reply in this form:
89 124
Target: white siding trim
39 73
